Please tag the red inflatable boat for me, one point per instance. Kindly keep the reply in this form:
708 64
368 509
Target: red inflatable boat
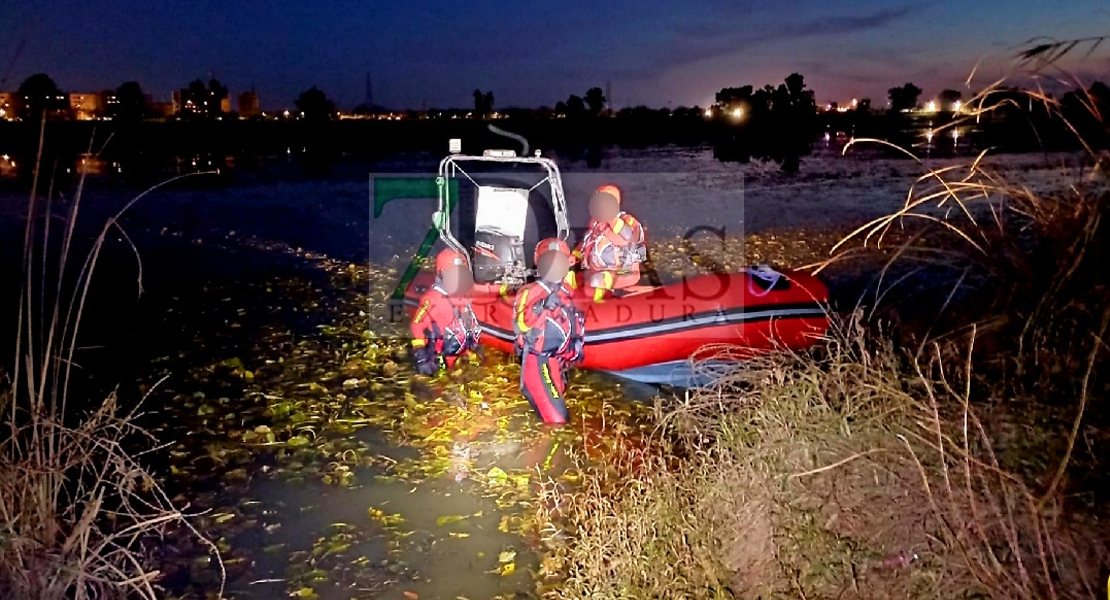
649 335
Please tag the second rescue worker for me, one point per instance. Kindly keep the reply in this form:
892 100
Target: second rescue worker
550 332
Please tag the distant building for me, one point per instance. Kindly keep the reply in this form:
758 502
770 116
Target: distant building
56 107
86 106
7 105
249 105
109 102
199 104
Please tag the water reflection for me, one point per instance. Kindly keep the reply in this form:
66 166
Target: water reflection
7 166
141 167
202 163
91 164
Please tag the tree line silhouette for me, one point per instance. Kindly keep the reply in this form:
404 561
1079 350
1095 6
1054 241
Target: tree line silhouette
771 123
778 123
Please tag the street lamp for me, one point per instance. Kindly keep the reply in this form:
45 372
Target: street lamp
737 113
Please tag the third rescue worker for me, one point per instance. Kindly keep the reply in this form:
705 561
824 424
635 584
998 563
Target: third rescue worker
550 332
445 327
613 248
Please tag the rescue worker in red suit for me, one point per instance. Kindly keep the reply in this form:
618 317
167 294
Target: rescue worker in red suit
550 332
613 248
444 327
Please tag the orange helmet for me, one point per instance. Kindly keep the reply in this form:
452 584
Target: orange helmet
449 258
550 244
610 189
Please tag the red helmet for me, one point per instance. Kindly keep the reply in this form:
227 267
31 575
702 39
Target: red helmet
449 258
610 189
550 244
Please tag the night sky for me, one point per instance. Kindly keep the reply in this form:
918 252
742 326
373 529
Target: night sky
434 53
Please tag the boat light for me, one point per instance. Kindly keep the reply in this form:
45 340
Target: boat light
500 153
455 145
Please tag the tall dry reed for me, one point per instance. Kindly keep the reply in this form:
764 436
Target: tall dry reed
80 512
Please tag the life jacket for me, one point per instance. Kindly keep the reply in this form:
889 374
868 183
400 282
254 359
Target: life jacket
446 322
614 247
550 331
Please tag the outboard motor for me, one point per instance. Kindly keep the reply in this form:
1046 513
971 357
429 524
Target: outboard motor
499 235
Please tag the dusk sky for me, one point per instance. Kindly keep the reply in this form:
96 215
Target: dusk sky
436 52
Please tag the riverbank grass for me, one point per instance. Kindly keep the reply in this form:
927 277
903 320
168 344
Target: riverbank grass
852 471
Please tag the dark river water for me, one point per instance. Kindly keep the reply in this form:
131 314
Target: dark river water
288 405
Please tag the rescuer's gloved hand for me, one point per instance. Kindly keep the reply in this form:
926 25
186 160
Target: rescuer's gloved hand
425 359
452 346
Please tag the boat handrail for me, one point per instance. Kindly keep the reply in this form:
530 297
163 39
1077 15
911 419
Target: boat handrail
447 168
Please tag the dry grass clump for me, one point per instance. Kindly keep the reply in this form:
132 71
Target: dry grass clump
639 537
727 519
76 506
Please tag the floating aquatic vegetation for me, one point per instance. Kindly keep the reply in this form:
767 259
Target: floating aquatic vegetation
449 519
507 562
337 563
298 400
